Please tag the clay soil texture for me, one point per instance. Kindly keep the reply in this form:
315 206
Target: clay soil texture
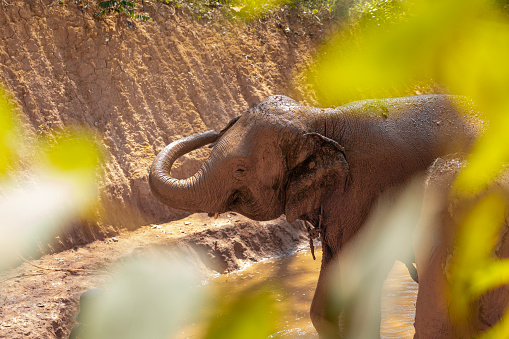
139 86
42 303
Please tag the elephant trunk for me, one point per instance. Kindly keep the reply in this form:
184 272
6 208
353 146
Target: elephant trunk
184 194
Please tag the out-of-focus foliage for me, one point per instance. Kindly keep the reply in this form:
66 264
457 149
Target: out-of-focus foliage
252 9
253 314
475 270
121 7
365 261
149 298
159 296
247 10
464 46
381 13
75 151
8 135
58 187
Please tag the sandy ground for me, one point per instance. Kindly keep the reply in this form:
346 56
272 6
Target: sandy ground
36 303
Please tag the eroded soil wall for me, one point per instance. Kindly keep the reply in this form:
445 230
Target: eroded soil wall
140 87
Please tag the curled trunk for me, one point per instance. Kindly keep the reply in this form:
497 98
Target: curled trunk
184 194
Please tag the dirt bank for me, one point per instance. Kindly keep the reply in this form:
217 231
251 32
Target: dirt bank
140 87
37 303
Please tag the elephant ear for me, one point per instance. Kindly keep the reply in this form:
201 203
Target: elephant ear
319 167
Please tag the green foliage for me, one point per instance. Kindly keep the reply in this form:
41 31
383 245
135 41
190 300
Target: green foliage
62 184
381 13
476 245
73 150
121 7
151 296
247 10
252 315
336 8
475 270
7 134
463 45
201 9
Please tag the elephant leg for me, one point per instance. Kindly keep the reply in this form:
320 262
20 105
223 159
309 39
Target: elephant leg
324 317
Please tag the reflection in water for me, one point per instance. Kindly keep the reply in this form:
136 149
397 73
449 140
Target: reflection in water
296 276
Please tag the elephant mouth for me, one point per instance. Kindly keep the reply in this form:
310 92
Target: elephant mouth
243 202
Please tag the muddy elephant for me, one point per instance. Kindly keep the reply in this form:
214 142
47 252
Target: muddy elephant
324 166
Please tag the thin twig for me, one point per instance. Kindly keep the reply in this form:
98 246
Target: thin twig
62 269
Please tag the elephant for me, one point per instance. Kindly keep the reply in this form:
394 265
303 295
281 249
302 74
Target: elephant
434 315
325 166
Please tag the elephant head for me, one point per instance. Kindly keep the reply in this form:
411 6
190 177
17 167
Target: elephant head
268 162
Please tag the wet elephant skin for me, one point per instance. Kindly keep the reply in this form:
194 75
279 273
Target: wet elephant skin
326 166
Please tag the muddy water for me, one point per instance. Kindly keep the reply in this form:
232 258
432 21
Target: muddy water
296 277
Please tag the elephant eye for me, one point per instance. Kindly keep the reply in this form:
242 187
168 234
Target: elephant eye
240 172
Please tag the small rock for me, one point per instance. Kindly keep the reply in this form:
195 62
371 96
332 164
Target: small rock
181 231
114 239
156 226
187 223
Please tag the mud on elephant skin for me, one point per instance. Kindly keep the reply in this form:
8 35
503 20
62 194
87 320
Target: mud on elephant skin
325 166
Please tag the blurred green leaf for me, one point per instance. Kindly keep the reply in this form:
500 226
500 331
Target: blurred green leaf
150 297
493 275
74 150
486 159
366 259
484 76
7 134
381 13
252 315
461 44
62 184
500 330
475 243
374 59
250 9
